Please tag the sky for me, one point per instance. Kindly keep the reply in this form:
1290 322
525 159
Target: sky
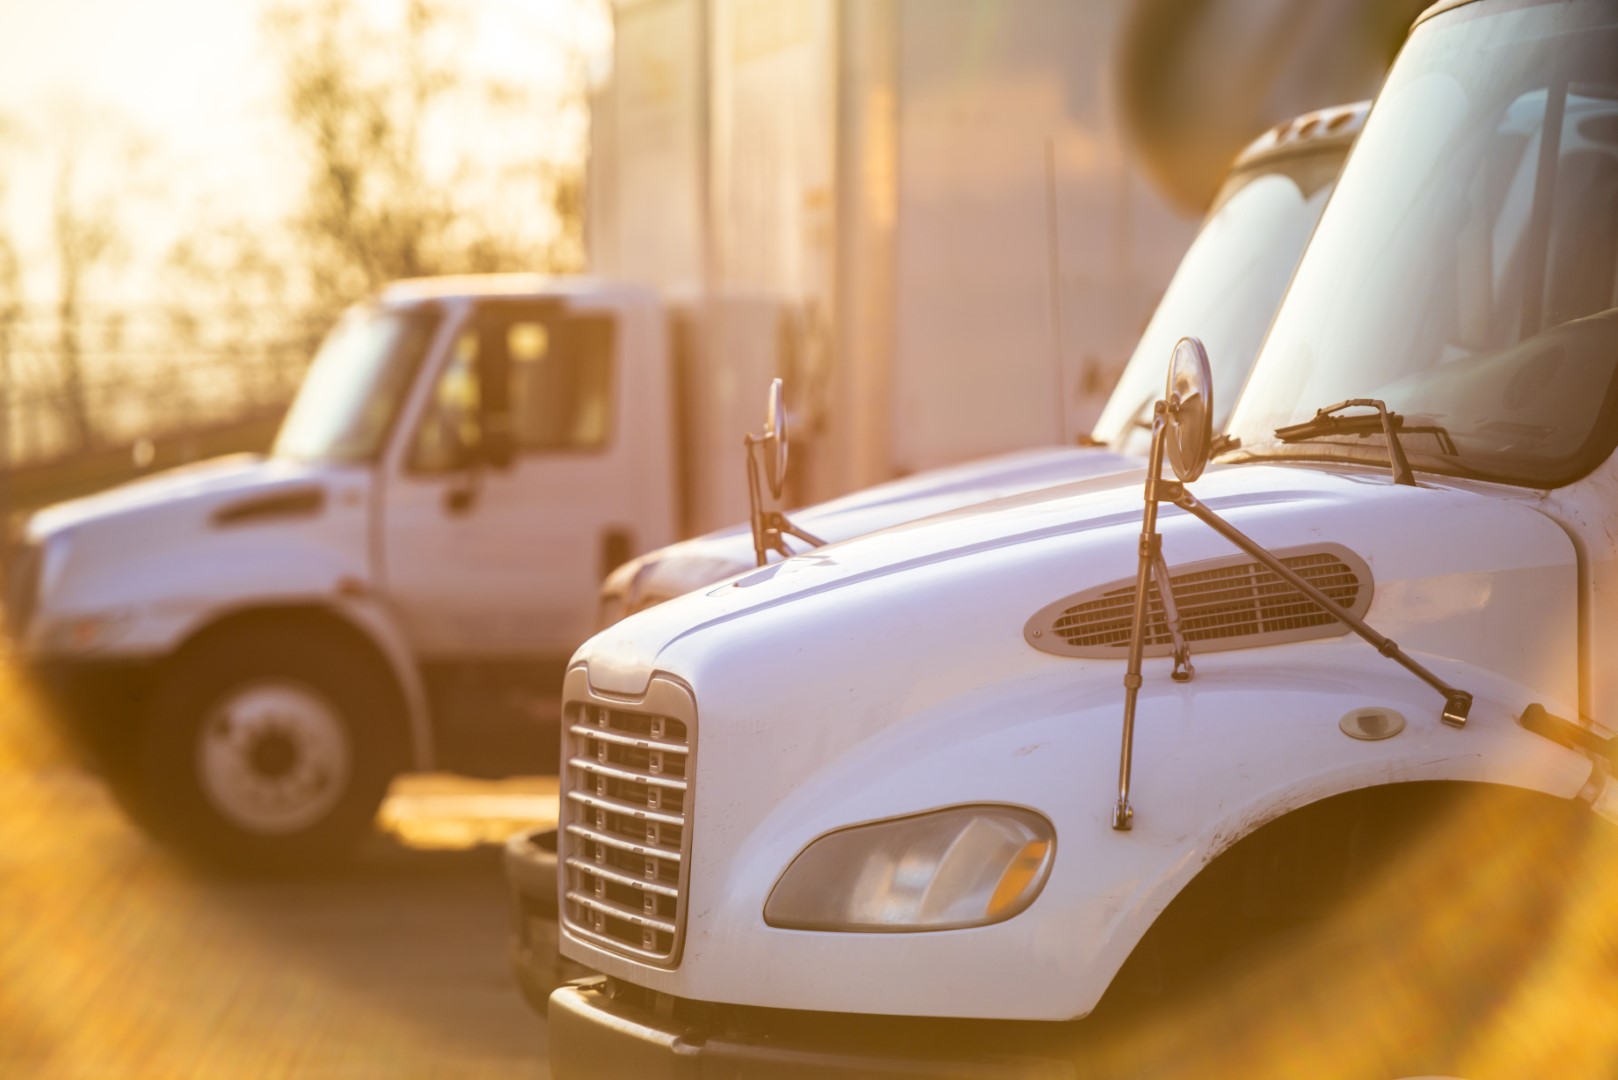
192 86
183 77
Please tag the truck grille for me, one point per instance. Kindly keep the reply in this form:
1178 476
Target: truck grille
1232 603
625 840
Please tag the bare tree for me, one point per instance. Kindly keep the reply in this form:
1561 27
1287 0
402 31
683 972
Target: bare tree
85 234
10 314
362 101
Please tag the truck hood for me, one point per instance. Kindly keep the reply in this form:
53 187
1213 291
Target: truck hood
898 673
199 488
661 575
1065 539
156 555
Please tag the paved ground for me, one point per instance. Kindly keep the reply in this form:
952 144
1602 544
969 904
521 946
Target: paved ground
117 962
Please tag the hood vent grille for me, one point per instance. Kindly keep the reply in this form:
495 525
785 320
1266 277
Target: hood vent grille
1229 603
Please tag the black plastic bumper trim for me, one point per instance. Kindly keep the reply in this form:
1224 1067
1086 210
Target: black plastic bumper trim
592 1035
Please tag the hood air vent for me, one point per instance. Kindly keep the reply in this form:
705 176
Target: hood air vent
1229 603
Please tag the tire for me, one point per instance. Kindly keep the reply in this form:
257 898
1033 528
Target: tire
268 749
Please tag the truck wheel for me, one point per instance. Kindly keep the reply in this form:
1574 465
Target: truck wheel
268 750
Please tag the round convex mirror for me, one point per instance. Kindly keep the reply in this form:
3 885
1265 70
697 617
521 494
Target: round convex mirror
1189 394
775 436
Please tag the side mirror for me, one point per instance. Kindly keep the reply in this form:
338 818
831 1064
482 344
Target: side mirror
775 440
1188 434
495 447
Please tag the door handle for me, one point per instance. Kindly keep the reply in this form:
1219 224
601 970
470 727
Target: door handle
460 496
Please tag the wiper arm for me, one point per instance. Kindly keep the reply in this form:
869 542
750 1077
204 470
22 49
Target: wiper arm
1325 422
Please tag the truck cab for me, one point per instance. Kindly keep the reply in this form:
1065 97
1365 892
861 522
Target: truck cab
251 647
855 813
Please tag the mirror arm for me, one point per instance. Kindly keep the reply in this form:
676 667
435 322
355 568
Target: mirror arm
1457 703
770 527
781 523
756 516
1123 815
1184 670
1190 380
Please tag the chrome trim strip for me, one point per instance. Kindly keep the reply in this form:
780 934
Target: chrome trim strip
619 739
618 911
613 806
672 783
620 878
623 845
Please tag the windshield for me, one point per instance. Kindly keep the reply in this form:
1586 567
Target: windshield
1227 286
1467 270
355 385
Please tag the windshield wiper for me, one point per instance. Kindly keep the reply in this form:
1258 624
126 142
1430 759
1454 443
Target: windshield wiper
1325 423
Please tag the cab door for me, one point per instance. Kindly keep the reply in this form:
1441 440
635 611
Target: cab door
511 494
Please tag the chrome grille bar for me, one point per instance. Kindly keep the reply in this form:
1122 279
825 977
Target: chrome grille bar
618 911
622 879
613 806
608 840
595 768
613 737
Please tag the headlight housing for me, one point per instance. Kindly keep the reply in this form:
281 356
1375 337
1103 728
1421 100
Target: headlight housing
942 870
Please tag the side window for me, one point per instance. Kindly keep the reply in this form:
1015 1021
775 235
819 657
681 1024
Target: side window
561 382
559 367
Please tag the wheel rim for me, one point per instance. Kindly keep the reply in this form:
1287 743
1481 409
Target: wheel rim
273 757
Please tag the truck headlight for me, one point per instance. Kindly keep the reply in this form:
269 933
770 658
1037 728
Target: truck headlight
942 870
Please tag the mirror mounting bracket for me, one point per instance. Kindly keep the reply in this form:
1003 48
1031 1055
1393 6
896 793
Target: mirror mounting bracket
770 526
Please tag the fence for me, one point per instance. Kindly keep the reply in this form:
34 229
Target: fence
114 377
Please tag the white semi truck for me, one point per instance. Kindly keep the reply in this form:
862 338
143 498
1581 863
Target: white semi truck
1227 286
904 801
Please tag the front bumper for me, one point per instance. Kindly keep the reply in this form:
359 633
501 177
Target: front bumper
599 1028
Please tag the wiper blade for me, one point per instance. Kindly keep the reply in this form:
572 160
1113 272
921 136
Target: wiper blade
1326 422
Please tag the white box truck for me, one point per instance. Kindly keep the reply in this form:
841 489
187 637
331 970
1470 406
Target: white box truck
938 196
858 812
